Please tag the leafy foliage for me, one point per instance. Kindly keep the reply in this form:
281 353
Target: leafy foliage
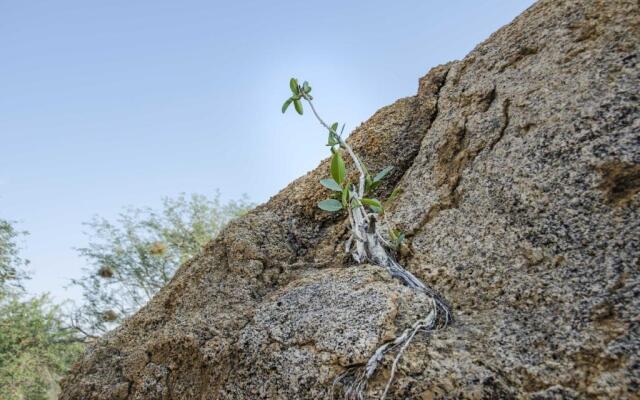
330 205
331 185
373 204
11 264
397 238
297 92
338 181
132 258
35 346
338 170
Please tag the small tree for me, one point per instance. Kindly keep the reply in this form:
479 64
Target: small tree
131 259
35 346
371 240
11 264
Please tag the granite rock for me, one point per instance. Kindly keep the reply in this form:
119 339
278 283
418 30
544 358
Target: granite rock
518 172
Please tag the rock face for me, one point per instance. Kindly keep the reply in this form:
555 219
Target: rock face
518 170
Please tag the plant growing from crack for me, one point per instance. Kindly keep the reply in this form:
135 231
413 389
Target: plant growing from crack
371 240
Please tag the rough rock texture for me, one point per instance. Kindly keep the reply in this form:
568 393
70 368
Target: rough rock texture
519 173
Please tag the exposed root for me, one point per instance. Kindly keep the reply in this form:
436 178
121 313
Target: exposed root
371 246
367 244
406 338
355 380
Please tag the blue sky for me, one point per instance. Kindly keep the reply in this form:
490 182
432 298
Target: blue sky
109 104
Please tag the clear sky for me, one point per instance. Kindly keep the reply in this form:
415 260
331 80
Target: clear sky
105 104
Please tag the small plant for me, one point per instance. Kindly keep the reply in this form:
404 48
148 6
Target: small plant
372 239
348 194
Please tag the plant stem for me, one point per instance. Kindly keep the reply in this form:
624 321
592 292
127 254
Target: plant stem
372 247
344 145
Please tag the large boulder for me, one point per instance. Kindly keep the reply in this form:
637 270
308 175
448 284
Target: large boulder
518 172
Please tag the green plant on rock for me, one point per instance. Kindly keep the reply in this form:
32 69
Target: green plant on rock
371 240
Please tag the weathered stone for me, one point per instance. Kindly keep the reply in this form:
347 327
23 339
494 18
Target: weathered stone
518 170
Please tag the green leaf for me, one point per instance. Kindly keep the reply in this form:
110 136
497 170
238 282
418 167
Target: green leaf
397 237
345 195
382 174
373 204
333 136
286 105
332 141
337 168
331 184
365 170
331 205
293 84
368 184
298 105
395 193
370 202
305 87
373 186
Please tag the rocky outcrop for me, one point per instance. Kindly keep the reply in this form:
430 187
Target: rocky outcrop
518 170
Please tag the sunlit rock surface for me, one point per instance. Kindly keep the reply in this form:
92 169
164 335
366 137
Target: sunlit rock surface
518 170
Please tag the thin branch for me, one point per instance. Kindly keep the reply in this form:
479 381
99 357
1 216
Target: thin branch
79 329
75 324
344 145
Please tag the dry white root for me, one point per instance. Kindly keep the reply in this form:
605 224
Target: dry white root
359 377
439 317
356 388
367 244
370 246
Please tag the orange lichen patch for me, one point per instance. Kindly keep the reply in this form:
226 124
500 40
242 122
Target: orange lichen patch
620 182
453 157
